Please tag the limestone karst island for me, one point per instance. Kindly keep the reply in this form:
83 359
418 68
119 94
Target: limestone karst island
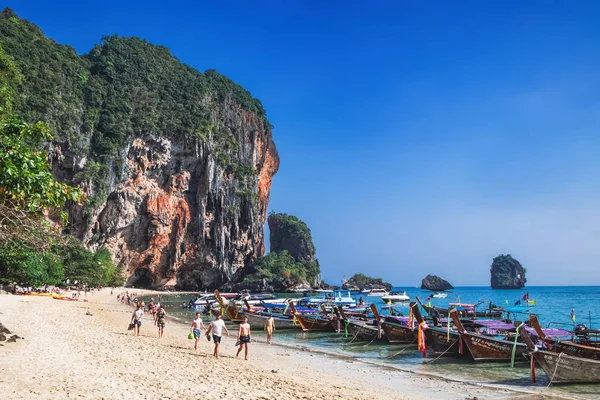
406 213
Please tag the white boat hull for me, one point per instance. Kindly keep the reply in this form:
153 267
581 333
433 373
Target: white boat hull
395 299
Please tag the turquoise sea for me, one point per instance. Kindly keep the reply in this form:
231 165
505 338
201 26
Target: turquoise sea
553 306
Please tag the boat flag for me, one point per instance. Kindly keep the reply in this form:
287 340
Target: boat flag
518 303
526 297
531 302
573 314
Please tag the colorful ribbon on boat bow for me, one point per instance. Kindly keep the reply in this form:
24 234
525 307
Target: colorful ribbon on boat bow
421 337
514 349
448 328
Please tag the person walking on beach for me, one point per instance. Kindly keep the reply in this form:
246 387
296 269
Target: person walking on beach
160 320
136 319
270 328
197 324
244 337
216 328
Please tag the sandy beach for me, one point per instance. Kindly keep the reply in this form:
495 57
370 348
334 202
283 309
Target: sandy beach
68 354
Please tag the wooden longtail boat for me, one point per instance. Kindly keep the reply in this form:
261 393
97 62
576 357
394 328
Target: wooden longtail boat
578 350
562 367
361 330
311 322
487 348
257 321
569 347
439 312
229 310
441 343
401 330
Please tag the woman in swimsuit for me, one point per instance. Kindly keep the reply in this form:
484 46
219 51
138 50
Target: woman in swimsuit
160 321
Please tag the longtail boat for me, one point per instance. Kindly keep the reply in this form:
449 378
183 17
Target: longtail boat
465 310
229 311
441 342
490 348
562 367
362 330
401 330
548 342
312 322
257 321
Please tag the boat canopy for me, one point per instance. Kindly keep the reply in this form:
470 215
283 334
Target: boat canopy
503 326
552 332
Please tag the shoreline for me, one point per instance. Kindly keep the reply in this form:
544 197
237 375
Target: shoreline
71 354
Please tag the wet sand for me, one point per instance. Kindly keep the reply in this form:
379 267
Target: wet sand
68 354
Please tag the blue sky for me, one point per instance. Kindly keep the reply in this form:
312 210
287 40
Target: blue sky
414 138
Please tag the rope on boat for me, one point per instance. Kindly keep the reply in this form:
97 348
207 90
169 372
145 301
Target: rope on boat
374 337
401 351
555 369
355 335
438 357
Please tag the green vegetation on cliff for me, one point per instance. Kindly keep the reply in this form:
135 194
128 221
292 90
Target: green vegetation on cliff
287 232
507 273
32 250
291 261
280 271
130 109
363 281
124 86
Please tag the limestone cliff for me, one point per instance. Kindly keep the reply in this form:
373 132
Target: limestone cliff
177 164
291 264
507 273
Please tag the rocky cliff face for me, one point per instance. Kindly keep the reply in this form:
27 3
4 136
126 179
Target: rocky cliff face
289 233
177 164
435 283
507 273
178 219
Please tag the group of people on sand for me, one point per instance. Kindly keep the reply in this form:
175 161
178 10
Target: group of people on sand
127 298
215 328
158 315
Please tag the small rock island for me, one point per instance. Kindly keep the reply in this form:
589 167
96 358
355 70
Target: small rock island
363 282
435 284
507 273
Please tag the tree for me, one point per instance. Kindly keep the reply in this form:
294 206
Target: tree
24 265
28 189
28 193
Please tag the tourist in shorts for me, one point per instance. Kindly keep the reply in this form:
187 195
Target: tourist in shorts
270 328
244 337
216 328
136 320
160 321
197 324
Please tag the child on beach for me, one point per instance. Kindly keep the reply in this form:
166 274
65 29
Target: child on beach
197 324
136 319
244 337
270 328
160 321
216 327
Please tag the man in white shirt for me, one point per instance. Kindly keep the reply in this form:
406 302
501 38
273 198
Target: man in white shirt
136 319
216 328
